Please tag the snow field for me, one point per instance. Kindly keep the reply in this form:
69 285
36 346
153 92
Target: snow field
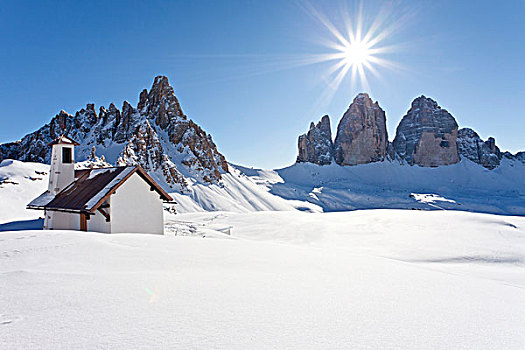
387 279
284 278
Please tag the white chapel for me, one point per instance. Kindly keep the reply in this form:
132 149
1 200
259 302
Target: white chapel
110 200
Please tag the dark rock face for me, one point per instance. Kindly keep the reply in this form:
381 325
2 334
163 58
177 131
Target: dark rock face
427 135
157 135
9 150
160 104
33 147
144 147
520 156
472 147
361 134
316 145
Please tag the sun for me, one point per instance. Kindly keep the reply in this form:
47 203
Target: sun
356 53
358 44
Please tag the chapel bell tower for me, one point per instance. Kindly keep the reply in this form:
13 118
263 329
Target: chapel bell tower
62 170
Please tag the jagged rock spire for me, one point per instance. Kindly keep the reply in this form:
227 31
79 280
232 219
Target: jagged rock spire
361 134
160 103
427 135
472 147
316 145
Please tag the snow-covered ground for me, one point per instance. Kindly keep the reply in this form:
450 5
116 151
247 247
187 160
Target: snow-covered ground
19 184
464 186
286 277
388 279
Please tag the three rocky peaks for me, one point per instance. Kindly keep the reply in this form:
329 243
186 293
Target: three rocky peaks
156 135
427 136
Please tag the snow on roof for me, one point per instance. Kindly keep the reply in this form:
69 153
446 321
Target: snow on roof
42 200
96 172
110 185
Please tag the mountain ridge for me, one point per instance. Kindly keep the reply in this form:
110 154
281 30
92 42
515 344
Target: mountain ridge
377 173
156 135
427 136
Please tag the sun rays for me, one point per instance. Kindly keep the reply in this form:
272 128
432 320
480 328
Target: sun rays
357 48
350 45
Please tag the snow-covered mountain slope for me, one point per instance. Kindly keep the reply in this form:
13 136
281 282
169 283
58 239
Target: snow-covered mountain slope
307 187
374 279
236 192
463 186
19 184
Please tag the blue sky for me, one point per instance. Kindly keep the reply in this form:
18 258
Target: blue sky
234 68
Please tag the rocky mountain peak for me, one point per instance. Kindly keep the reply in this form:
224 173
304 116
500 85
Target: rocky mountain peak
427 135
425 102
142 99
157 135
316 145
520 156
88 113
361 134
161 104
126 107
160 90
90 107
112 108
472 147
324 124
62 117
362 98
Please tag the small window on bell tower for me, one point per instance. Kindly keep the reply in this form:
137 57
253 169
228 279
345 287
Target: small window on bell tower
67 155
